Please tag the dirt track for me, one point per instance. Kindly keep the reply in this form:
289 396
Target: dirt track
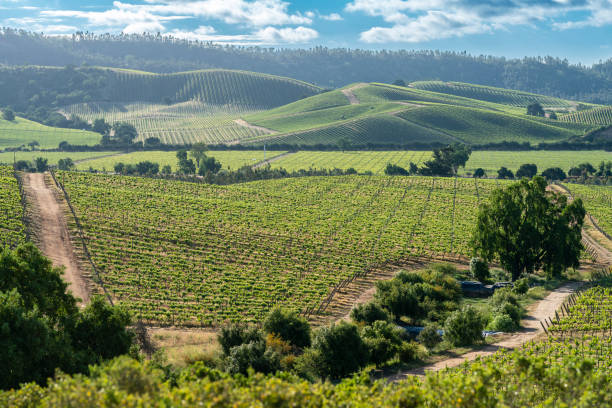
530 329
244 123
51 232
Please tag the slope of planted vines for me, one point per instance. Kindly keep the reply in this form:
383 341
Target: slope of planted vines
12 230
491 94
596 116
196 254
598 203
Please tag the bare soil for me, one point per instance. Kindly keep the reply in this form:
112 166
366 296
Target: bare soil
244 123
348 92
50 231
264 163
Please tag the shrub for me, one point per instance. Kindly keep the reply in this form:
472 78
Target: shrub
503 295
554 173
479 173
514 311
236 334
464 327
338 351
527 170
368 313
502 323
289 327
395 170
9 115
479 268
408 352
429 336
252 355
521 286
23 165
504 173
383 340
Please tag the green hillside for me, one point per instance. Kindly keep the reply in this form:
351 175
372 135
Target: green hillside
22 131
385 114
596 116
492 94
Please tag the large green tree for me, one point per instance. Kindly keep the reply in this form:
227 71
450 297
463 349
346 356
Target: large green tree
446 161
528 228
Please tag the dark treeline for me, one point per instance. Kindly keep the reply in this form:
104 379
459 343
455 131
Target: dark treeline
323 66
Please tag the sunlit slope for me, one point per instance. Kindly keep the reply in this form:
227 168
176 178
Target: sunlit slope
22 132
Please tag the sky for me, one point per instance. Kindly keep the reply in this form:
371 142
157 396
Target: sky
579 30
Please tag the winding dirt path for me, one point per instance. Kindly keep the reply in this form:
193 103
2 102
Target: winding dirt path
348 92
246 124
51 231
531 328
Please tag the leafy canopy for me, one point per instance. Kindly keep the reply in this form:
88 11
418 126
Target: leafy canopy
526 228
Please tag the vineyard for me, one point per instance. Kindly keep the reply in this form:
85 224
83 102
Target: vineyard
597 116
184 123
490 161
597 201
229 159
12 230
22 131
492 94
283 241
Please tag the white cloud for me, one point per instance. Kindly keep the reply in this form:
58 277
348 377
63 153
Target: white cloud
273 35
265 36
332 17
426 20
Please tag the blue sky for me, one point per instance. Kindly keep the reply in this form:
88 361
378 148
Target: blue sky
579 30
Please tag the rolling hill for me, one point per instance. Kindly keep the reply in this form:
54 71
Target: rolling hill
381 114
22 131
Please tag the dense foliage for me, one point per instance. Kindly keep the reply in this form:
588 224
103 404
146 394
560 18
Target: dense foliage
324 66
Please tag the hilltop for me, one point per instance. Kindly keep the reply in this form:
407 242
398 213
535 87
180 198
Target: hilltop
381 114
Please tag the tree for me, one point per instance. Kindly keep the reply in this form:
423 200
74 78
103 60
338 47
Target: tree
535 109
288 326
527 228
582 169
41 164
479 173
167 100
65 164
152 141
554 173
399 82
446 161
166 170
125 132
33 144
187 166
8 114
198 152
383 340
344 144
395 170
339 351
527 170
552 115
100 126
504 173
479 269
368 313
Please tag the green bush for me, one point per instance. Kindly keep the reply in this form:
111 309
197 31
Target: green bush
502 323
383 340
368 313
479 269
464 327
339 351
252 355
288 326
515 312
521 286
236 334
408 352
429 336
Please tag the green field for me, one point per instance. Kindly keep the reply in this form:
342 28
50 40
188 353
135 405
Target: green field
12 230
22 131
386 114
52 157
230 160
490 161
233 252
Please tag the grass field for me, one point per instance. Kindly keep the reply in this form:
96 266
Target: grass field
233 252
230 160
52 157
490 161
22 131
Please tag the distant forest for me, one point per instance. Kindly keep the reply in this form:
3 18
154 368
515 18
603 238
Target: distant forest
325 67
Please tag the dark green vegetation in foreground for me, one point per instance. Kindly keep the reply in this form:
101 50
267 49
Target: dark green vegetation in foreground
258 250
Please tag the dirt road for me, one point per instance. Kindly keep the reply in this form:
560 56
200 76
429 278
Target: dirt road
51 231
264 163
244 123
348 92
